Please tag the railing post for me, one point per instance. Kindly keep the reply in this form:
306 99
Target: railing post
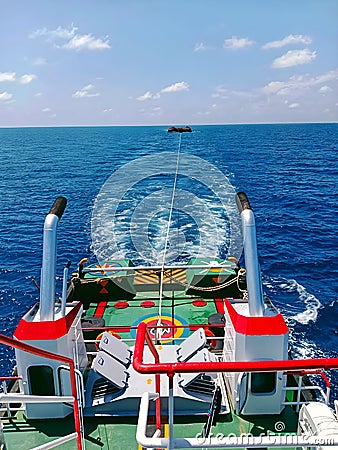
171 411
55 357
300 379
4 387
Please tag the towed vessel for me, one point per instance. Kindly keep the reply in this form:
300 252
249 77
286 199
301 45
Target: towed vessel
185 129
161 356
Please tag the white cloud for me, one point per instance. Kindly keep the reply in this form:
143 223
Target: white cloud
11 76
280 100
203 113
236 43
294 105
39 61
223 93
199 47
27 78
45 110
290 39
294 58
275 87
152 112
5 96
52 35
182 86
86 42
146 96
325 89
176 87
299 82
74 40
86 92
38 94
108 110
328 76
7 76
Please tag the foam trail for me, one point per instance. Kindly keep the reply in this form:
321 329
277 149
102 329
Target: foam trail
131 210
312 304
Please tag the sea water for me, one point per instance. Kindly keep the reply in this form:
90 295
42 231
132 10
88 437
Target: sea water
289 172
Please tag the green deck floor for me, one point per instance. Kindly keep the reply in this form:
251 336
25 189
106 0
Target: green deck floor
119 433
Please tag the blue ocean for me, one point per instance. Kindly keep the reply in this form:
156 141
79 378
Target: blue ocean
288 171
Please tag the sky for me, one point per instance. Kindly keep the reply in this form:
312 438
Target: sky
178 62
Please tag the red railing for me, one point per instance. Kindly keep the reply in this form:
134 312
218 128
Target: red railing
46 354
10 378
314 372
153 350
170 368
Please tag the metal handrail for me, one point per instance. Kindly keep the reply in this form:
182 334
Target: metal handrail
170 368
199 441
153 350
46 354
300 387
158 268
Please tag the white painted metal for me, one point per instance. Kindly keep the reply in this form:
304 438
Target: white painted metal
317 421
67 345
56 442
190 346
64 291
246 347
24 398
116 348
48 271
220 266
325 395
253 274
111 369
219 441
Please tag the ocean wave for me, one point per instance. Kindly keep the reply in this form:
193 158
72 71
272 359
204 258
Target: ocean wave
292 306
133 221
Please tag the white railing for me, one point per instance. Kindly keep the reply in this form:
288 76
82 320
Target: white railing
285 440
25 398
6 409
300 388
221 441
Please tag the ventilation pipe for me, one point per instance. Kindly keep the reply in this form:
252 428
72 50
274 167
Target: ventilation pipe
48 271
253 274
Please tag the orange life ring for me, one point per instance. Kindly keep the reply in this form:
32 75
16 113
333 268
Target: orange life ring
209 333
99 337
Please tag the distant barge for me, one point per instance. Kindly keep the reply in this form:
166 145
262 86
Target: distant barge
179 130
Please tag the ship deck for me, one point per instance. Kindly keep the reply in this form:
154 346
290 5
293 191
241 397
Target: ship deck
120 310
119 433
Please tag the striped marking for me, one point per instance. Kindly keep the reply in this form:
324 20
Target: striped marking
219 303
146 277
100 309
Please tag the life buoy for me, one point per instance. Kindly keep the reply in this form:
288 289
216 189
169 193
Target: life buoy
99 337
212 342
